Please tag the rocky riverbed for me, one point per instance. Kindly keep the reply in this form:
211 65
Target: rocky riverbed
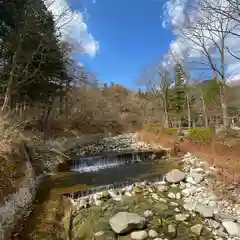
181 206
178 206
119 143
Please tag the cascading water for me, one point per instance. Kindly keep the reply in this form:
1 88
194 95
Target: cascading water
111 171
95 163
89 191
118 185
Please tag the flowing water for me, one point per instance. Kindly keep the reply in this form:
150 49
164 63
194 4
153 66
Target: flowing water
84 176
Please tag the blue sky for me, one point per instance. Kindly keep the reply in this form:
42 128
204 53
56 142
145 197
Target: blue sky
119 37
130 35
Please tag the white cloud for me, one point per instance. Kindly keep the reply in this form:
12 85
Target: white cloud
176 12
72 27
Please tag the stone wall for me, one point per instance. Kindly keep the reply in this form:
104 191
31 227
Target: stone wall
16 204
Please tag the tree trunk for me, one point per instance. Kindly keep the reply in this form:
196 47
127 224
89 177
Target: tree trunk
222 86
205 117
180 123
8 94
224 112
166 119
223 103
7 97
189 112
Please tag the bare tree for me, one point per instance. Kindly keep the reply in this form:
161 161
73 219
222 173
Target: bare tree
207 34
165 85
230 9
157 81
199 87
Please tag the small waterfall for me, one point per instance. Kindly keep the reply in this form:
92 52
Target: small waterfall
92 164
119 185
89 191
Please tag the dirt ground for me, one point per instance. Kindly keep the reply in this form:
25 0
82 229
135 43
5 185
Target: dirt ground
223 154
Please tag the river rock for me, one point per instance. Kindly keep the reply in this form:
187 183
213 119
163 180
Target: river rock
197 229
155 196
204 210
124 222
197 177
181 217
178 195
101 235
221 216
162 200
171 195
186 192
182 185
213 224
175 176
98 202
152 233
148 214
177 210
161 188
106 195
171 228
232 228
138 235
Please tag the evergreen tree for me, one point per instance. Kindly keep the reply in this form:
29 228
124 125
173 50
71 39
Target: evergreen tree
33 66
178 99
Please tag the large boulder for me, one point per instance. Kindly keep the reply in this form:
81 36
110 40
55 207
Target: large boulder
175 176
232 228
124 222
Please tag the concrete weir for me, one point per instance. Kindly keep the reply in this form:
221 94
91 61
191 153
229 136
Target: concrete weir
117 169
104 160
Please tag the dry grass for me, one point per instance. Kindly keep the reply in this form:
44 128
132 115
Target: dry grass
11 157
164 140
224 154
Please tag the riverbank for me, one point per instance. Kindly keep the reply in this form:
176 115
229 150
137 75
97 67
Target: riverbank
182 201
222 154
51 212
49 194
181 206
37 159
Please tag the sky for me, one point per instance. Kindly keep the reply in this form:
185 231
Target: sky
120 37
128 34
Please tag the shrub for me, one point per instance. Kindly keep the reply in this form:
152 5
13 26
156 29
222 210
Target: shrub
200 134
170 131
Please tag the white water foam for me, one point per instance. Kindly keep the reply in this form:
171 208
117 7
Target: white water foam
94 164
95 168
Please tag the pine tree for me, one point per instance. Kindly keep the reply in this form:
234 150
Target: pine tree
178 100
33 67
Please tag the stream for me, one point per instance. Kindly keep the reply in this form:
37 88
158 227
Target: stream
81 175
91 189
90 196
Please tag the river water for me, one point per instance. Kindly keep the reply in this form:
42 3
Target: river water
49 195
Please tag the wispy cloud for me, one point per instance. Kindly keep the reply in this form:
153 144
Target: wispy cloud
175 14
72 27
